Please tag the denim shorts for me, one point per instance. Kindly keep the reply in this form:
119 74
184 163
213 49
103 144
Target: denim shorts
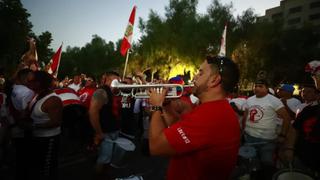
264 147
106 148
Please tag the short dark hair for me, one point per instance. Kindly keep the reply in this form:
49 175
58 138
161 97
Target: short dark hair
228 71
44 79
23 74
112 73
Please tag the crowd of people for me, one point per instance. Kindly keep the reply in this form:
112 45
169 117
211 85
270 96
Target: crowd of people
201 132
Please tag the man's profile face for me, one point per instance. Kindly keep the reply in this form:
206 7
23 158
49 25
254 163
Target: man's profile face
201 79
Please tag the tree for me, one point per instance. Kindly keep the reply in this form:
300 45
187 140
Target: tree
15 27
43 42
94 58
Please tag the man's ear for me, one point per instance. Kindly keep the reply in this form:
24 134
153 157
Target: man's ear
214 80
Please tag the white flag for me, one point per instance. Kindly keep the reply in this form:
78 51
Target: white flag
222 51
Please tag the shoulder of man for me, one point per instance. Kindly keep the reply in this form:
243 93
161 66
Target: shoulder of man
100 95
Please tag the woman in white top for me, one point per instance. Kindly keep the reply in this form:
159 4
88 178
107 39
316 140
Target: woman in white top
46 115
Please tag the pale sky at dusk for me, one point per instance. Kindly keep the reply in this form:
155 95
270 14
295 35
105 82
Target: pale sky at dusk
73 22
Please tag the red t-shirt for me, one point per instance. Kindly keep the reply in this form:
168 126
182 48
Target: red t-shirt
85 95
206 141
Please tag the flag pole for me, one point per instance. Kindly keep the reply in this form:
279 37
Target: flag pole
125 65
56 73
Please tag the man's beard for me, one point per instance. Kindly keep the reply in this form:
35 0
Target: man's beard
198 90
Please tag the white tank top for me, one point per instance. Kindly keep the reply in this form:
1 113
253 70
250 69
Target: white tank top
40 117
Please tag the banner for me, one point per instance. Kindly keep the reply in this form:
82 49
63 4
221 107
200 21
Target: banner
222 51
127 39
55 62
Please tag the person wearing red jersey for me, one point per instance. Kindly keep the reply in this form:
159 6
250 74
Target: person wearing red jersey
204 144
85 94
75 123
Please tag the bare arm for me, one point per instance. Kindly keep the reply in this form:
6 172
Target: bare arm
97 101
283 114
158 142
286 153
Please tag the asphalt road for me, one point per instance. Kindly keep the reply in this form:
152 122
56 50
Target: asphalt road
76 162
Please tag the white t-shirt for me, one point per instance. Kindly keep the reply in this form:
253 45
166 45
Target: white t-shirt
262 116
21 96
194 99
75 87
293 104
241 104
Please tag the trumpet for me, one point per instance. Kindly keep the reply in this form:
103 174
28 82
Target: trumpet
141 91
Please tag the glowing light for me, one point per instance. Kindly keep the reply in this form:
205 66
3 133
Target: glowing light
179 69
296 89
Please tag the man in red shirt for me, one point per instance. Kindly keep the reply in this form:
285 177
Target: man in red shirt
85 94
204 144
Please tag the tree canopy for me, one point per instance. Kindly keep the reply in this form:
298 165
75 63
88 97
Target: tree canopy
181 36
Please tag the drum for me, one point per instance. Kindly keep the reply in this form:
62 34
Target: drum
122 152
291 174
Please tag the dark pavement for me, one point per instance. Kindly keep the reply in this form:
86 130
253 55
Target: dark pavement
76 162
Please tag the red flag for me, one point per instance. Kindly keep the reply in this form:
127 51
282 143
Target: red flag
55 62
126 42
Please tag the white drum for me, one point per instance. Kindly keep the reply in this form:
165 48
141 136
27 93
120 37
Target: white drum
122 151
291 174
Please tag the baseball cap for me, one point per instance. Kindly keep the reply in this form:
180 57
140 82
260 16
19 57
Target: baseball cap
262 81
287 87
176 80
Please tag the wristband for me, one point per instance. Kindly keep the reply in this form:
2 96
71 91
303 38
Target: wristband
156 108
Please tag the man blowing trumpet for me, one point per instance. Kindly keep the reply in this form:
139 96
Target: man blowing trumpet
204 143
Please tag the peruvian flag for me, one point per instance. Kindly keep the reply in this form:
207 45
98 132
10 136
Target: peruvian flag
126 42
55 62
222 51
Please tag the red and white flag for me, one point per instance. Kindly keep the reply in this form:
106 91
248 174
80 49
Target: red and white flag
126 42
222 51
55 62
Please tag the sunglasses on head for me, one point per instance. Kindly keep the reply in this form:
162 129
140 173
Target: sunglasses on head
217 60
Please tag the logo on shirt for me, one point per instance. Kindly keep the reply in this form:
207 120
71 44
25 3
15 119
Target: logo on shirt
255 113
83 97
183 135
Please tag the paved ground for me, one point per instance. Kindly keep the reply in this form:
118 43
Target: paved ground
77 163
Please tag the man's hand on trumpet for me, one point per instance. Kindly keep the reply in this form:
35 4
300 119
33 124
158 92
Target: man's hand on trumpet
157 96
